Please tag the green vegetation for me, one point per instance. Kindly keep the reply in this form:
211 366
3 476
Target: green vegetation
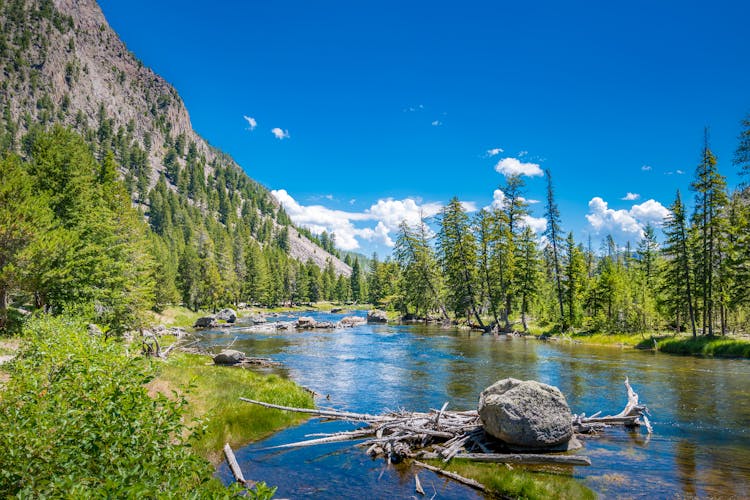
213 400
519 482
77 421
720 347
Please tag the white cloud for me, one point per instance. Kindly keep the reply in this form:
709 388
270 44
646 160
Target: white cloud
251 123
279 133
436 123
532 202
498 199
513 166
650 212
679 172
646 168
630 196
624 224
537 224
523 153
387 212
494 152
469 206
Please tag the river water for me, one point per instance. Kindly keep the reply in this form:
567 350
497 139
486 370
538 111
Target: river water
700 408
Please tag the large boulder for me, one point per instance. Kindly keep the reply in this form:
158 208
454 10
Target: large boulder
350 321
377 316
256 319
228 315
229 357
526 413
206 322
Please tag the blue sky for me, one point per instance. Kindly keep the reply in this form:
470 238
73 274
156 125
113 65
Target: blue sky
383 108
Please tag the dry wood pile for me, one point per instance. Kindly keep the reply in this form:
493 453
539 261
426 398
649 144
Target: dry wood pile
442 434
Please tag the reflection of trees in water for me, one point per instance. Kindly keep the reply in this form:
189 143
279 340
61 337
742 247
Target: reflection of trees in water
685 461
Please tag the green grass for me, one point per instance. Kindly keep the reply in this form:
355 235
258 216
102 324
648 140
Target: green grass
518 482
720 347
213 399
618 339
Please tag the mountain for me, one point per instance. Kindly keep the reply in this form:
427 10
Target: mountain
61 63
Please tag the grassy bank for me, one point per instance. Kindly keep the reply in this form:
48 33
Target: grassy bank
720 347
518 482
213 393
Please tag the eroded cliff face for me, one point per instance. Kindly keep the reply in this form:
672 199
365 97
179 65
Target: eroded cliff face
62 63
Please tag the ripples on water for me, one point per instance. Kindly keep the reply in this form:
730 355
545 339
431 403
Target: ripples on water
700 407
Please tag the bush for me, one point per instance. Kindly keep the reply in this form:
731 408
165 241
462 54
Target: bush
76 421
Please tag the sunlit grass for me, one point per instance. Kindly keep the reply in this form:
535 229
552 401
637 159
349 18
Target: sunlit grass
707 346
519 482
214 399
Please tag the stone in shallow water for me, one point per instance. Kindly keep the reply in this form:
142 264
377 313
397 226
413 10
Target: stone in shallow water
229 357
526 413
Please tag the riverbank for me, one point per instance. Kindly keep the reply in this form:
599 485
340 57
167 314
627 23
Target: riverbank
212 393
715 346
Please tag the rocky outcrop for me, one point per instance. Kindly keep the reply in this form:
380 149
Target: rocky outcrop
256 319
206 322
228 315
377 316
526 414
308 323
229 357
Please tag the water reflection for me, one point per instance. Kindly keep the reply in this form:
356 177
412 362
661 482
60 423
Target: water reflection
700 407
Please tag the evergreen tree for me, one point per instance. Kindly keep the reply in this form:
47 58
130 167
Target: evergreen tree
554 239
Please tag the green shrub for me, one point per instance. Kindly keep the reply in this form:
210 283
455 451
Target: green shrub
76 421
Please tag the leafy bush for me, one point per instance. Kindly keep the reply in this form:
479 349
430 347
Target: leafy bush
76 421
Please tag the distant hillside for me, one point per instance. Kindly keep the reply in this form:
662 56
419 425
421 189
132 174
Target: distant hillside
61 63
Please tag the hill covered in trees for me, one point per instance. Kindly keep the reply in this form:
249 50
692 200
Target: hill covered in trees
216 236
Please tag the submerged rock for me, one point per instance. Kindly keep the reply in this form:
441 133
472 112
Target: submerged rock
377 316
526 413
206 322
229 357
228 315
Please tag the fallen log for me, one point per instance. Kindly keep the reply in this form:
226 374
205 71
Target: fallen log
338 415
234 466
456 477
517 458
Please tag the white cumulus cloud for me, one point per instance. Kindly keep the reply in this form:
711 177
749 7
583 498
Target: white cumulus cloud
630 196
280 133
251 122
624 224
514 166
494 152
378 223
646 168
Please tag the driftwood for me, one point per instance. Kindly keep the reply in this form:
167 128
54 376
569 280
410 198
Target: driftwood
465 480
234 466
633 415
445 435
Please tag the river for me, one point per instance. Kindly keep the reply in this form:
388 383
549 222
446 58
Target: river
700 408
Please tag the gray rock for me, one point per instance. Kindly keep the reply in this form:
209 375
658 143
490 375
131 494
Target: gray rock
350 321
336 310
256 319
306 322
229 357
159 330
526 413
284 325
228 315
377 316
324 324
206 322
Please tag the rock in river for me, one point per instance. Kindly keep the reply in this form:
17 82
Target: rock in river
228 315
229 357
350 321
206 322
377 316
526 413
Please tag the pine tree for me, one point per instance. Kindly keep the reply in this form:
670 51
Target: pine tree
708 219
677 289
554 239
742 154
528 271
457 251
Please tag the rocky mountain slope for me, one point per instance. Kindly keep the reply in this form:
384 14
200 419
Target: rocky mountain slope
60 62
